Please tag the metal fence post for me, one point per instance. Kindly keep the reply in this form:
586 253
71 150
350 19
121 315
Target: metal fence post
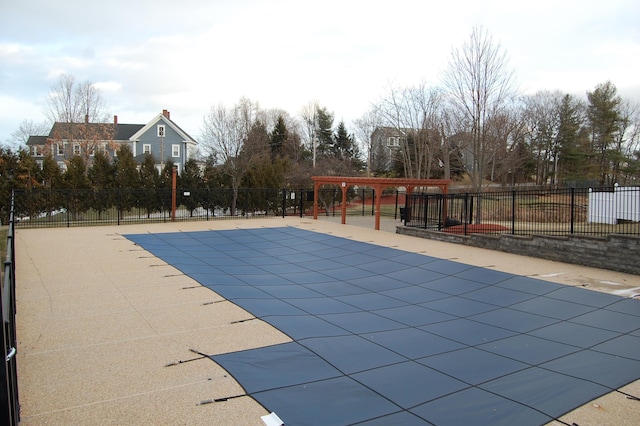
284 202
513 212
573 206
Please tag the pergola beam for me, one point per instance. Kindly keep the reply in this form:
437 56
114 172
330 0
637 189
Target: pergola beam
378 184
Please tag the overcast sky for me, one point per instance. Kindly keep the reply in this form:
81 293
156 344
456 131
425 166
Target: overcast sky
187 55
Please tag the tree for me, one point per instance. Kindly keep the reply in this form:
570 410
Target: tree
70 102
190 181
225 131
79 116
346 151
278 137
28 128
309 115
76 181
324 133
481 87
127 178
101 175
150 184
365 126
542 118
415 113
605 122
574 149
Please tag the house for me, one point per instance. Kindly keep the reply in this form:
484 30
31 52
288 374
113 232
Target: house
385 142
161 137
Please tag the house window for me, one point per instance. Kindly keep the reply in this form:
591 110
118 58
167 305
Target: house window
76 149
40 164
146 148
59 149
37 150
62 165
161 130
175 150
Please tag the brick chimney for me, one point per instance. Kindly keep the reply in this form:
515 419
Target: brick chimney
167 114
115 119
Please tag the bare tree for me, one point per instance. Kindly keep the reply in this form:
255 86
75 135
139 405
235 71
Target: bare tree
365 126
79 117
481 86
542 119
28 128
62 103
309 116
92 105
415 113
225 132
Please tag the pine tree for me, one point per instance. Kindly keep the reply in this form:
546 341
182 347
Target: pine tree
603 114
278 137
574 152
190 181
127 179
101 174
149 183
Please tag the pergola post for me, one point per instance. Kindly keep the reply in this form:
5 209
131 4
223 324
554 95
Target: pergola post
316 187
344 202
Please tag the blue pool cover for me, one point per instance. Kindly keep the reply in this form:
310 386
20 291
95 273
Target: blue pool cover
382 336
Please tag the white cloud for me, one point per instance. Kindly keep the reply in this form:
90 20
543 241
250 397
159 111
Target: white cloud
186 56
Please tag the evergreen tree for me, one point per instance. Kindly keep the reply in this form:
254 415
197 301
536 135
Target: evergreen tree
215 181
278 136
52 181
190 181
149 183
166 184
346 151
77 182
603 114
51 173
324 133
127 179
8 165
101 174
574 148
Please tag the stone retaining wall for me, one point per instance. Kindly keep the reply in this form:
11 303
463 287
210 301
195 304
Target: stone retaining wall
615 252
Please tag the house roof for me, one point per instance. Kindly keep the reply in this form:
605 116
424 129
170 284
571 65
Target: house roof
37 140
174 126
90 131
125 131
105 131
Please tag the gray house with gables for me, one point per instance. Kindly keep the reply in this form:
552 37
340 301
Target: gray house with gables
160 137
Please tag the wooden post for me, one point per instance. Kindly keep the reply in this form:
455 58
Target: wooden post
316 188
344 202
174 179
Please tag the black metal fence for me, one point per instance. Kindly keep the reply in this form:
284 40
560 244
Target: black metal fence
9 403
66 208
583 211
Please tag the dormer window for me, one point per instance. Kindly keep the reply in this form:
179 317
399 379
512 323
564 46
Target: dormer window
161 130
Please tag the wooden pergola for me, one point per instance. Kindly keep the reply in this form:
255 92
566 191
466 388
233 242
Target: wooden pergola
378 184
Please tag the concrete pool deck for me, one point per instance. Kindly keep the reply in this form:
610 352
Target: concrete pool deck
109 334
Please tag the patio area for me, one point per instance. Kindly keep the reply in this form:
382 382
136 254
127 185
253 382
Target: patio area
120 323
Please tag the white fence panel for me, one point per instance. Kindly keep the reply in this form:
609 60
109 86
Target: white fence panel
612 207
